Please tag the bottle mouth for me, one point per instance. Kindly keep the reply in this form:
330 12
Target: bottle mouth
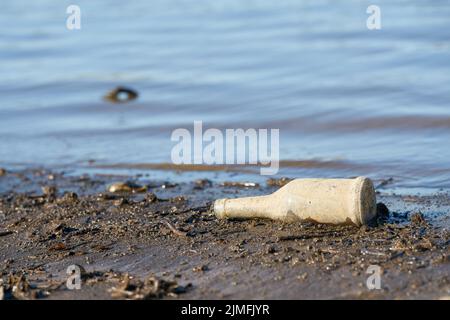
219 208
365 200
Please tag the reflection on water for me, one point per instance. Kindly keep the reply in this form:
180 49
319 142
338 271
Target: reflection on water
378 101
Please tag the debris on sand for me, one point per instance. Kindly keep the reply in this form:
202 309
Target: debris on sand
68 197
202 183
382 210
126 187
152 288
17 287
107 197
2 172
384 183
59 246
418 219
178 199
121 94
5 233
240 184
151 197
168 185
202 268
49 191
173 229
120 202
273 182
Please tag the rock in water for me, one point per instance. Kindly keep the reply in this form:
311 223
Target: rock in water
126 187
382 210
121 94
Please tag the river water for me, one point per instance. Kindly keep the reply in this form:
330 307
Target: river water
347 100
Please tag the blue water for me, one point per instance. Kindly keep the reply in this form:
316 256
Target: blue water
377 100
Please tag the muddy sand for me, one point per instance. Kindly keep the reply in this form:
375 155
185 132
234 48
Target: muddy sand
160 240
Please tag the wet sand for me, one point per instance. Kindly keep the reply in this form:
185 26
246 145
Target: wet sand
165 243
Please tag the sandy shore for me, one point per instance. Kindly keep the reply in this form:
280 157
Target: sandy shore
166 243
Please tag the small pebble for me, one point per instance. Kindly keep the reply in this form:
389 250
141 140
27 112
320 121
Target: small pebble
126 187
272 182
202 183
382 210
200 268
240 184
120 202
151 197
418 219
49 190
70 196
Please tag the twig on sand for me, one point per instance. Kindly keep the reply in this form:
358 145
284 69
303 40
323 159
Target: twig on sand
5 233
309 236
200 209
173 229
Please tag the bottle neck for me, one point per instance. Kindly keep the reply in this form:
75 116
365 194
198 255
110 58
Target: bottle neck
244 208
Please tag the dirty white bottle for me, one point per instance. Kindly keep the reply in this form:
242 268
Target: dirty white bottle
334 201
